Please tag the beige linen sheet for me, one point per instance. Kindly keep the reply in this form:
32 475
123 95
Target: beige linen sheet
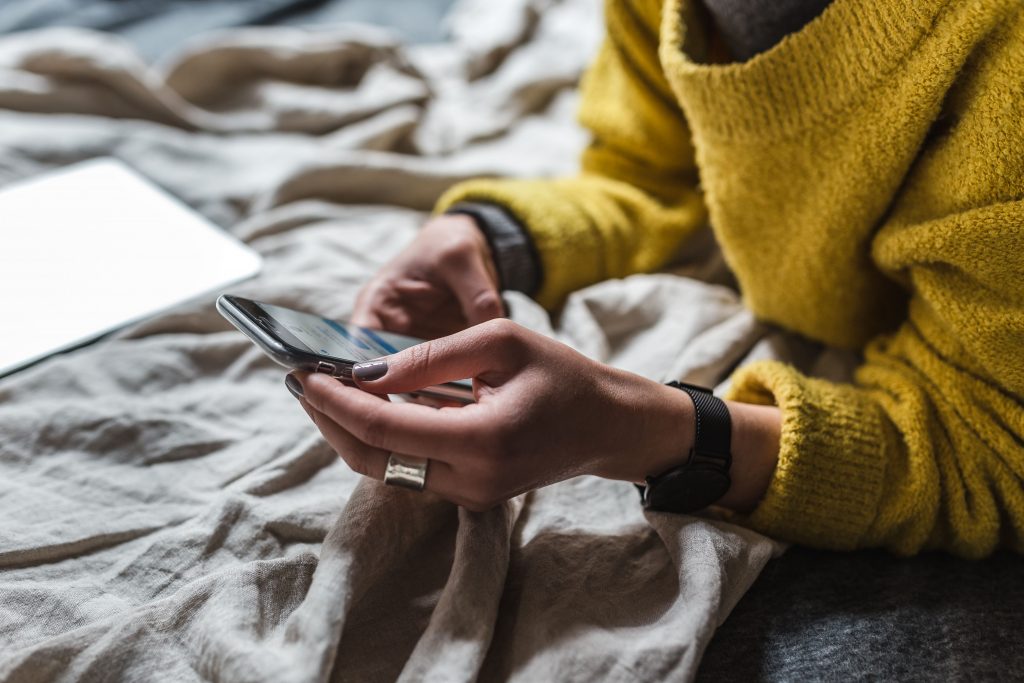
168 512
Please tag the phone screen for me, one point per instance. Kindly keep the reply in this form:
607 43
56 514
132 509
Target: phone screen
299 340
337 339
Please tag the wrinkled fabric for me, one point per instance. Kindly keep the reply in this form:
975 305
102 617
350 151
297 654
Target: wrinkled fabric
156 27
167 511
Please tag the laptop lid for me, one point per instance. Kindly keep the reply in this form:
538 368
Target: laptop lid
92 247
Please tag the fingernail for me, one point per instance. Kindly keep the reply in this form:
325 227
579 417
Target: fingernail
294 386
367 372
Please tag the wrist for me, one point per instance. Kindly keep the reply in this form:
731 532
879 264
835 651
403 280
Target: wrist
756 433
660 435
515 256
672 429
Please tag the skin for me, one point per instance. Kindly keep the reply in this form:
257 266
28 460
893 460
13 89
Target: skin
443 282
543 412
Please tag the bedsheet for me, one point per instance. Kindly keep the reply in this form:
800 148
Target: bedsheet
155 27
167 512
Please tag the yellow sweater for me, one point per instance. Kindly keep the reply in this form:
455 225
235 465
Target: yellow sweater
865 179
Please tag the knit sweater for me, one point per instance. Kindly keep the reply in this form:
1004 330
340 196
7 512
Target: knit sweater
865 179
747 27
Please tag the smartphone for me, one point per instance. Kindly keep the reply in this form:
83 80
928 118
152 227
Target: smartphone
303 341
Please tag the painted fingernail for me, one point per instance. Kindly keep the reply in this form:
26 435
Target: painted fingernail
294 386
367 372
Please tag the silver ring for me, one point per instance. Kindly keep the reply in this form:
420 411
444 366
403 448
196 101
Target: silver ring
406 471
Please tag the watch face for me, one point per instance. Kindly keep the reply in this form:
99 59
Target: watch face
687 489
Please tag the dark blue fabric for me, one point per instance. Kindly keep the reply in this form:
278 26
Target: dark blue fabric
819 616
750 27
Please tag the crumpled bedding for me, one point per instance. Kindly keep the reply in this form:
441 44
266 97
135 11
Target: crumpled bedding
168 512
156 27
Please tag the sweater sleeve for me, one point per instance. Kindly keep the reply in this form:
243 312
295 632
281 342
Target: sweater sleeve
926 449
635 199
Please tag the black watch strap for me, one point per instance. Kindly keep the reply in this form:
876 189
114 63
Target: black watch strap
712 436
515 256
704 477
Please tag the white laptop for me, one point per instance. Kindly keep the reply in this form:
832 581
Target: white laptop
92 247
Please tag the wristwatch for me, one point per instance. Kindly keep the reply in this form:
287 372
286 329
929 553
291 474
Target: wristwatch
704 477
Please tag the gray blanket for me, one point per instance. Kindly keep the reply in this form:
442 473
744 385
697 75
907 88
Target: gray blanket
167 512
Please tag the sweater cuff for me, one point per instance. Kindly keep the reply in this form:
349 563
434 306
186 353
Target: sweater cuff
514 254
830 474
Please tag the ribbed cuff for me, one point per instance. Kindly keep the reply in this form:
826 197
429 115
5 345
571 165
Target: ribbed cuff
514 253
829 478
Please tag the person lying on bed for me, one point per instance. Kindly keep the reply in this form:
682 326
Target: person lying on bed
862 166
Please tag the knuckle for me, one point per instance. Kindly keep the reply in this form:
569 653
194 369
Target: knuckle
418 357
454 252
489 302
502 328
504 334
459 221
449 222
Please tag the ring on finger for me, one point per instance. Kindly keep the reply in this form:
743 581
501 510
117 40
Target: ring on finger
406 471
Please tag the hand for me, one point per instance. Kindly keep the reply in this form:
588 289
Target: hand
443 282
543 413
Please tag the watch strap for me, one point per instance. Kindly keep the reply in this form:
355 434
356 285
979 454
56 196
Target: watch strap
704 477
712 436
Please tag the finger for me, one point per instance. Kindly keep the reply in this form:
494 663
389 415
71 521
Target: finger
493 348
394 319
441 434
474 286
364 313
372 462
367 318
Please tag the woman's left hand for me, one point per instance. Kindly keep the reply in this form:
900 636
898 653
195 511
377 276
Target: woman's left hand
543 413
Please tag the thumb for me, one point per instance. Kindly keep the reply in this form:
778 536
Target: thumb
493 347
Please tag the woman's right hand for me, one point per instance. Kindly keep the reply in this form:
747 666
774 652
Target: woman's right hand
441 283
